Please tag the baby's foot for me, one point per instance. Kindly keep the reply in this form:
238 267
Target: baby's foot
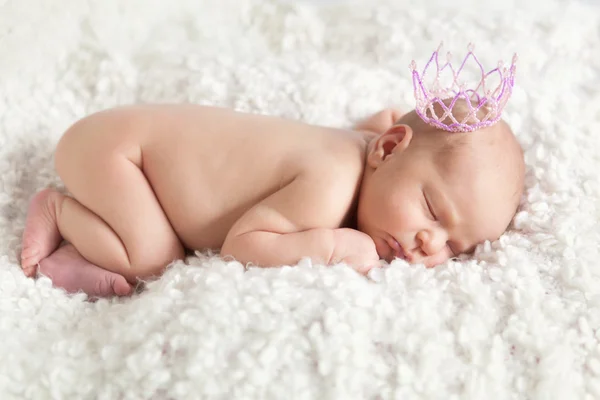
69 270
41 236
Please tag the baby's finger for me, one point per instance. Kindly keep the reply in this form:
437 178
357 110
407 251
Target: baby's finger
30 271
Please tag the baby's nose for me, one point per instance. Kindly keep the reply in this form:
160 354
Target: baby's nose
431 241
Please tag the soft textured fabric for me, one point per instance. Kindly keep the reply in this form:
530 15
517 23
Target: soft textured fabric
517 320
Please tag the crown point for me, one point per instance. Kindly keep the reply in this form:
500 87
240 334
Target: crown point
435 92
413 65
449 56
440 46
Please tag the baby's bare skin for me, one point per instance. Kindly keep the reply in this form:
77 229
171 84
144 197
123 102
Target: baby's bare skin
148 182
152 180
209 166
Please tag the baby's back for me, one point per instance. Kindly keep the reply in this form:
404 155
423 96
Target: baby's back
207 166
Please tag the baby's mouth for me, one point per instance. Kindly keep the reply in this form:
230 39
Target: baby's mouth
397 250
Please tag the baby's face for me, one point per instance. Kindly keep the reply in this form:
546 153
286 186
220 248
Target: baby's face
426 208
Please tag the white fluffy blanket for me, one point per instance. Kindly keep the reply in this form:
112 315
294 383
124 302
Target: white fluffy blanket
518 320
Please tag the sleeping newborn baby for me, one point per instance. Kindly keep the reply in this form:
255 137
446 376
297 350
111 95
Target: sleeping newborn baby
148 182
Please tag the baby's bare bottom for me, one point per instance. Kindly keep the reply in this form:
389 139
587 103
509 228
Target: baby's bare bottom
113 219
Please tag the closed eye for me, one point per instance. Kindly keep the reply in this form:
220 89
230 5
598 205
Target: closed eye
431 213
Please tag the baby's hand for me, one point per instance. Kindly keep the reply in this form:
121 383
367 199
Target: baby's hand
356 249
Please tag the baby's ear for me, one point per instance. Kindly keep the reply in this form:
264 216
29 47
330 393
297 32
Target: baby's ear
394 140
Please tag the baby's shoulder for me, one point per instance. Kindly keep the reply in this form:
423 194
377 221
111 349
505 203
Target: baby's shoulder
335 171
336 158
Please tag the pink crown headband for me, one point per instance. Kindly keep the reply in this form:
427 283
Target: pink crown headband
479 97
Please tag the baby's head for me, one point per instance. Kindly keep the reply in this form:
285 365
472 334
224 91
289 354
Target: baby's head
428 195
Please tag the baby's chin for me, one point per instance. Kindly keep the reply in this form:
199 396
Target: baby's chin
427 262
435 260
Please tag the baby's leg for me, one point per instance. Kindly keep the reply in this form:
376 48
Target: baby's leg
114 219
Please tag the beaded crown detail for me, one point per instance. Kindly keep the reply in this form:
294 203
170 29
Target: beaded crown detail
485 99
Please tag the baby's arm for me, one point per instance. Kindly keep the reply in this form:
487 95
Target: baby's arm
297 221
382 121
